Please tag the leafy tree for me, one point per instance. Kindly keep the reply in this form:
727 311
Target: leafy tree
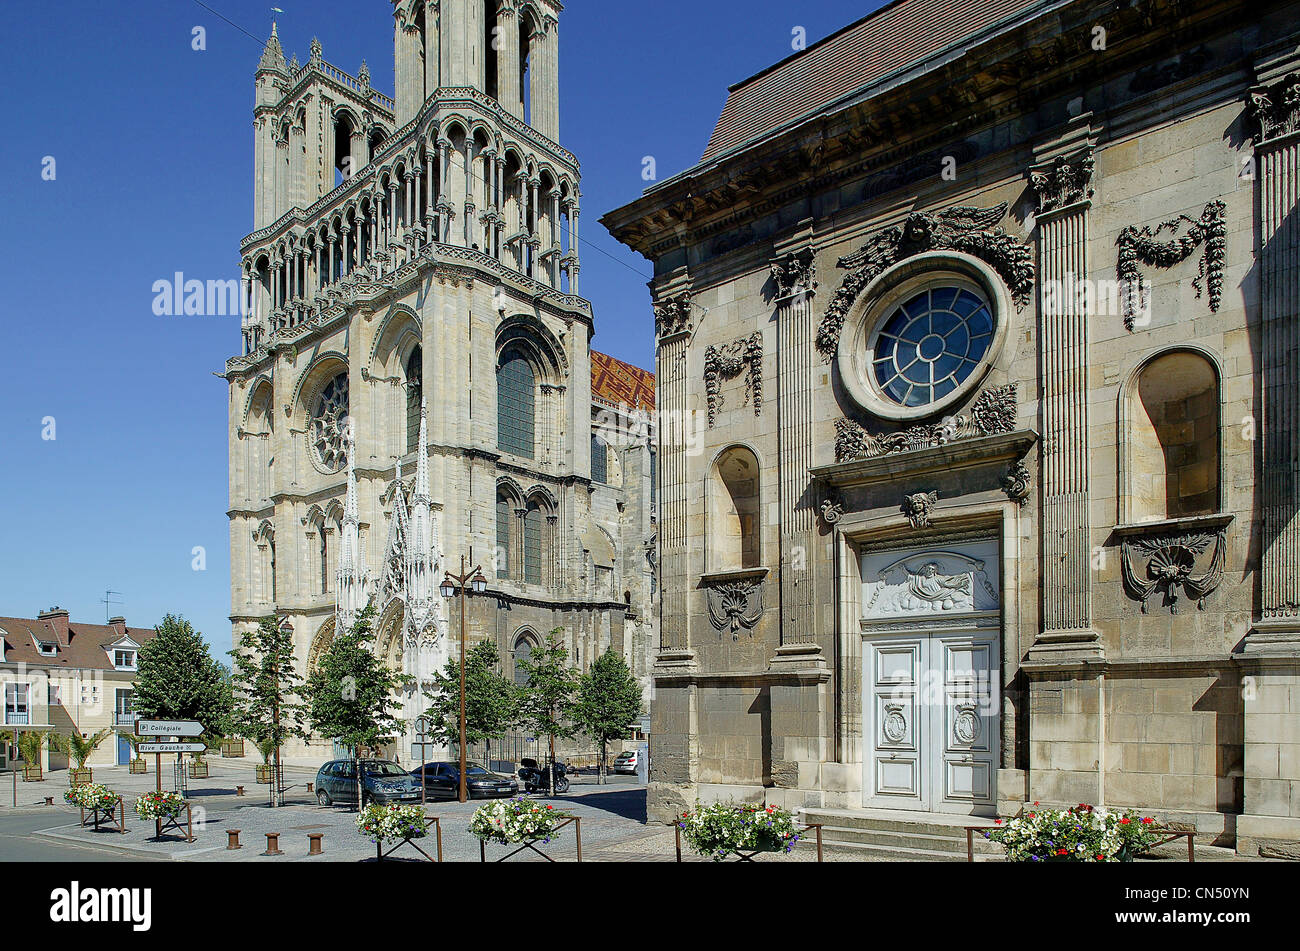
609 699
180 680
549 696
268 702
491 701
351 694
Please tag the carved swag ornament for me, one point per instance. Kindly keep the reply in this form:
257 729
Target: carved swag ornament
1169 563
1139 245
962 228
735 605
992 413
728 361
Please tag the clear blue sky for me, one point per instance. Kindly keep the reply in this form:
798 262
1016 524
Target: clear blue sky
153 149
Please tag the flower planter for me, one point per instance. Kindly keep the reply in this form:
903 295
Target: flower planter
1078 834
77 777
521 822
32 774
165 809
138 766
400 825
264 773
232 748
731 830
198 770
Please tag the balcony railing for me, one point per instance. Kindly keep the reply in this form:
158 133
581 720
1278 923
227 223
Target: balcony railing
15 718
124 719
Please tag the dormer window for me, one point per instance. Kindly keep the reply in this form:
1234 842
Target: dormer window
47 648
124 659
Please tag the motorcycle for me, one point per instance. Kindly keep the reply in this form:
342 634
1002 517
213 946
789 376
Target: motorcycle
534 776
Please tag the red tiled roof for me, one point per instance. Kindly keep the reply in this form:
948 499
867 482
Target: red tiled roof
895 36
82 649
616 383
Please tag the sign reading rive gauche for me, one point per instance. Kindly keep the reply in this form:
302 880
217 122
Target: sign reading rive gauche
172 747
169 728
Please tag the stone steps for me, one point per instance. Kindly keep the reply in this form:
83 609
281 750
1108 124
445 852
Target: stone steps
899 836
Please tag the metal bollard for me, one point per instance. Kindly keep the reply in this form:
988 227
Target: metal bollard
232 839
273 844
309 789
239 790
49 800
315 847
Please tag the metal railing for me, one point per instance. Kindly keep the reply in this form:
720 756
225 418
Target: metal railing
15 718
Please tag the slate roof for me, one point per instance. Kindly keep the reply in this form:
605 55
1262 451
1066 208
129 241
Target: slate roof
889 40
615 383
80 646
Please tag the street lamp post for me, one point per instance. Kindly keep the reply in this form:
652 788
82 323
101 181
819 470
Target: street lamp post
450 587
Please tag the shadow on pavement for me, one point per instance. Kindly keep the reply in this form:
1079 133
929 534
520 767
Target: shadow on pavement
626 803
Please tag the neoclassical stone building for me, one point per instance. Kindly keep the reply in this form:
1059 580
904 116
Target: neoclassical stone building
412 283
992 322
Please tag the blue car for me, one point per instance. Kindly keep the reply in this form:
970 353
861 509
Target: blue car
382 782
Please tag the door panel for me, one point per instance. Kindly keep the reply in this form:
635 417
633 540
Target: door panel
932 715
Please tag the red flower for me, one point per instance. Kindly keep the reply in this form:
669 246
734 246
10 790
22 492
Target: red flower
1147 820
997 822
1035 802
1062 852
1031 815
1124 821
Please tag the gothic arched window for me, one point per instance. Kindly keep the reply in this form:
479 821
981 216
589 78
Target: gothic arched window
414 397
523 651
502 555
599 460
533 516
516 404
324 560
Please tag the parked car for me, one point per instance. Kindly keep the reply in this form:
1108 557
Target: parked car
627 762
442 780
382 782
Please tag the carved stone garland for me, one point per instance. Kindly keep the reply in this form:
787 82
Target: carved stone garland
1140 245
1170 561
735 605
993 412
728 361
962 228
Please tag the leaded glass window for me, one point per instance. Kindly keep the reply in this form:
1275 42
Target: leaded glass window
502 556
930 344
599 460
414 396
533 544
516 404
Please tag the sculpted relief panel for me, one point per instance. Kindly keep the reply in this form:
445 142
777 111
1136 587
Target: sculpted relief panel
943 581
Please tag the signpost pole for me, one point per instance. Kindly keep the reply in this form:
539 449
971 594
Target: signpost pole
157 779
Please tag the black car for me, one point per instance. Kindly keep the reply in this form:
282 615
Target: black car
442 780
382 782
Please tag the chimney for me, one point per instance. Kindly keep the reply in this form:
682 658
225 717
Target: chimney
57 618
118 624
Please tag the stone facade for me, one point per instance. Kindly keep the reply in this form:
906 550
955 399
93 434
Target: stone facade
417 382
1025 303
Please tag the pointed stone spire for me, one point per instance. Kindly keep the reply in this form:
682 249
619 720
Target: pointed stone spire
352 579
272 56
423 554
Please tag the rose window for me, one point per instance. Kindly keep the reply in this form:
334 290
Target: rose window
329 424
930 344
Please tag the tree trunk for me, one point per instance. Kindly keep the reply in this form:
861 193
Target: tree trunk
602 761
550 770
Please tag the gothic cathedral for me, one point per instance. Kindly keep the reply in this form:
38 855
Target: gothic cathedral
417 382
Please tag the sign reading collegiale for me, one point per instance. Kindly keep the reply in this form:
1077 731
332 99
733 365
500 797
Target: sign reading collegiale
169 728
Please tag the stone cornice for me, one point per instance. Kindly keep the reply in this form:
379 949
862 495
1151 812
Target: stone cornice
884 125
